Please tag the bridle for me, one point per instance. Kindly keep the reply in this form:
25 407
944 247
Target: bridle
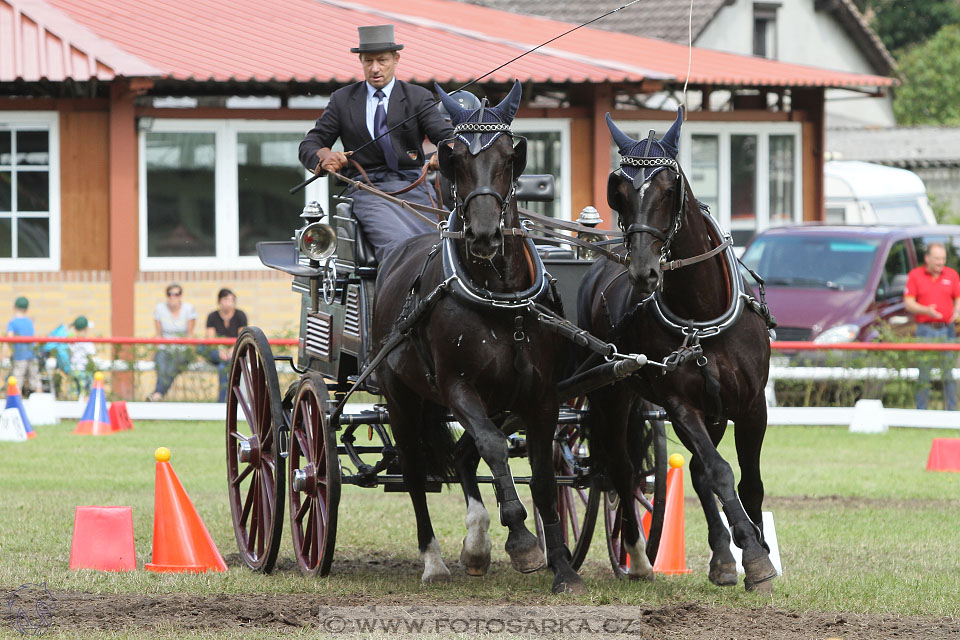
460 206
666 237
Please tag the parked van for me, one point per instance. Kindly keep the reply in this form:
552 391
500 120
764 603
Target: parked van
867 193
836 283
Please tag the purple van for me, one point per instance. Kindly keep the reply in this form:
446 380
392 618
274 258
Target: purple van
834 284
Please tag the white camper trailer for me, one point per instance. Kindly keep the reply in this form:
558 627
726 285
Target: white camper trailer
867 193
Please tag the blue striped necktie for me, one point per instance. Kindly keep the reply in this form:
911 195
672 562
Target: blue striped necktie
380 132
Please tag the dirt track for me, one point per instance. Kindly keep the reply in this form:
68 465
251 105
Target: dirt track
83 613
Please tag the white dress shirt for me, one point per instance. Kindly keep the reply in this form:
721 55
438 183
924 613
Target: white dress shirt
373 101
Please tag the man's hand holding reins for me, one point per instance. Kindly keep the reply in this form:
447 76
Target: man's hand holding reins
330 161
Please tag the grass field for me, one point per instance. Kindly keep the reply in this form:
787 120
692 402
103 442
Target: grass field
862 527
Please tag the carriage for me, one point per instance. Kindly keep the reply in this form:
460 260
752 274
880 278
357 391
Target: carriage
292 449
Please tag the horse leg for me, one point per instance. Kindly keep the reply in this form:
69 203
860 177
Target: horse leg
748 435
543 486
406 412
610 420
718 475
475 554
521 545
723 566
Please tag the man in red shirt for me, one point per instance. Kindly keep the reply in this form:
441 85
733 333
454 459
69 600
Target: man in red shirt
933 295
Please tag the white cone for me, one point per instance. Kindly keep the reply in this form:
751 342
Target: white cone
11 426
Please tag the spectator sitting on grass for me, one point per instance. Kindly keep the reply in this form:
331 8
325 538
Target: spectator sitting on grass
172 319
81 356
225 322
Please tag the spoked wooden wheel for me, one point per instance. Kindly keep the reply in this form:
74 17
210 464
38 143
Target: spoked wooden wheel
577 506
314 478
255 470
647 442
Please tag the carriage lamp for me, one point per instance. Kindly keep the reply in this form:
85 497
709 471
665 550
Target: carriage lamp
589 217
312 211
318 241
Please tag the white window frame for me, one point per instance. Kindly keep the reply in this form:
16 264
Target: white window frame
561 125
226 219
49 120
723 130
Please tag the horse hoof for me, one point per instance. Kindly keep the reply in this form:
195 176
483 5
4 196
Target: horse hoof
476 562
572 585
528 561
764 588
724 575
759 572
646 576
436 575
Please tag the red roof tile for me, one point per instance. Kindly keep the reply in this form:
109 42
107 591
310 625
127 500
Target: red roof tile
309 40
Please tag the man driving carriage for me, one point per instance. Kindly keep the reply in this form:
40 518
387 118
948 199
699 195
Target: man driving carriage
358 114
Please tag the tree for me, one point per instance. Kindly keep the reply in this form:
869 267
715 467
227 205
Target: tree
929 93
901 24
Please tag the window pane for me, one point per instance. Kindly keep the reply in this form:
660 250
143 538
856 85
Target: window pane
743 188
268 166
6 246
33 148
705 170
545 155
33 238
782 163
181 216
5 148
33 191
6 190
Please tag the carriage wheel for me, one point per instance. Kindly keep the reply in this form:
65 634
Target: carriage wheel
255 471
314 479
648 442
578 507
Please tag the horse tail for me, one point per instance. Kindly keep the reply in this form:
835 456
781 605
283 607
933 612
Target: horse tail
713 405
438 442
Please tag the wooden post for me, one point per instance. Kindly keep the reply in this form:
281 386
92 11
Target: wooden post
601 104
811 102
124 240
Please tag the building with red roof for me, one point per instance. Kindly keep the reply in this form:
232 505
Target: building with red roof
154 141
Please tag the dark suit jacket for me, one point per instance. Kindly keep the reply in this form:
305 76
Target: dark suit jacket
346 118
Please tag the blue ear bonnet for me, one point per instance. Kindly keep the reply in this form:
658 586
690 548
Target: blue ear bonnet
492 121
666 147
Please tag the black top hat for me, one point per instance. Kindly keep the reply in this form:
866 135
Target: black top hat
376 38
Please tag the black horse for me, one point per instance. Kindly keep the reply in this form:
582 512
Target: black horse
477 350
660 302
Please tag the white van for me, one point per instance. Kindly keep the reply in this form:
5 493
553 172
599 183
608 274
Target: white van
867 193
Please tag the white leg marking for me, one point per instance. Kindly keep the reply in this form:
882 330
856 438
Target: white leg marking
433 568
640 567
475 556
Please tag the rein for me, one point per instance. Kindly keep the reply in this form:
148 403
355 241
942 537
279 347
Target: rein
413 185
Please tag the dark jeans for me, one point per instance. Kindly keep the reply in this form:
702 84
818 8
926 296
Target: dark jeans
223 371
946 359
169 364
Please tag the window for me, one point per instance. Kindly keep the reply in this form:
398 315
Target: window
765 30
29 192
210 190
548 151
895 271
748 173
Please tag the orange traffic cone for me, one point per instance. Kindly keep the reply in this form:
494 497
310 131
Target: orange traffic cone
95 420
944 455
119 418
672 554
181 544
15 401
103 539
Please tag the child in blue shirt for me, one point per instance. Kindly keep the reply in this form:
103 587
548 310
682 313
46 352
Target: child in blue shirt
25 366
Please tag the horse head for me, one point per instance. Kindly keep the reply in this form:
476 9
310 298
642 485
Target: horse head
648 194
484 162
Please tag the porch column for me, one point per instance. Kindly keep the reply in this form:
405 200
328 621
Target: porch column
602 103
124 242
811 103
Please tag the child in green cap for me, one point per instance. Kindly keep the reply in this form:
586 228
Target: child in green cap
25 366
